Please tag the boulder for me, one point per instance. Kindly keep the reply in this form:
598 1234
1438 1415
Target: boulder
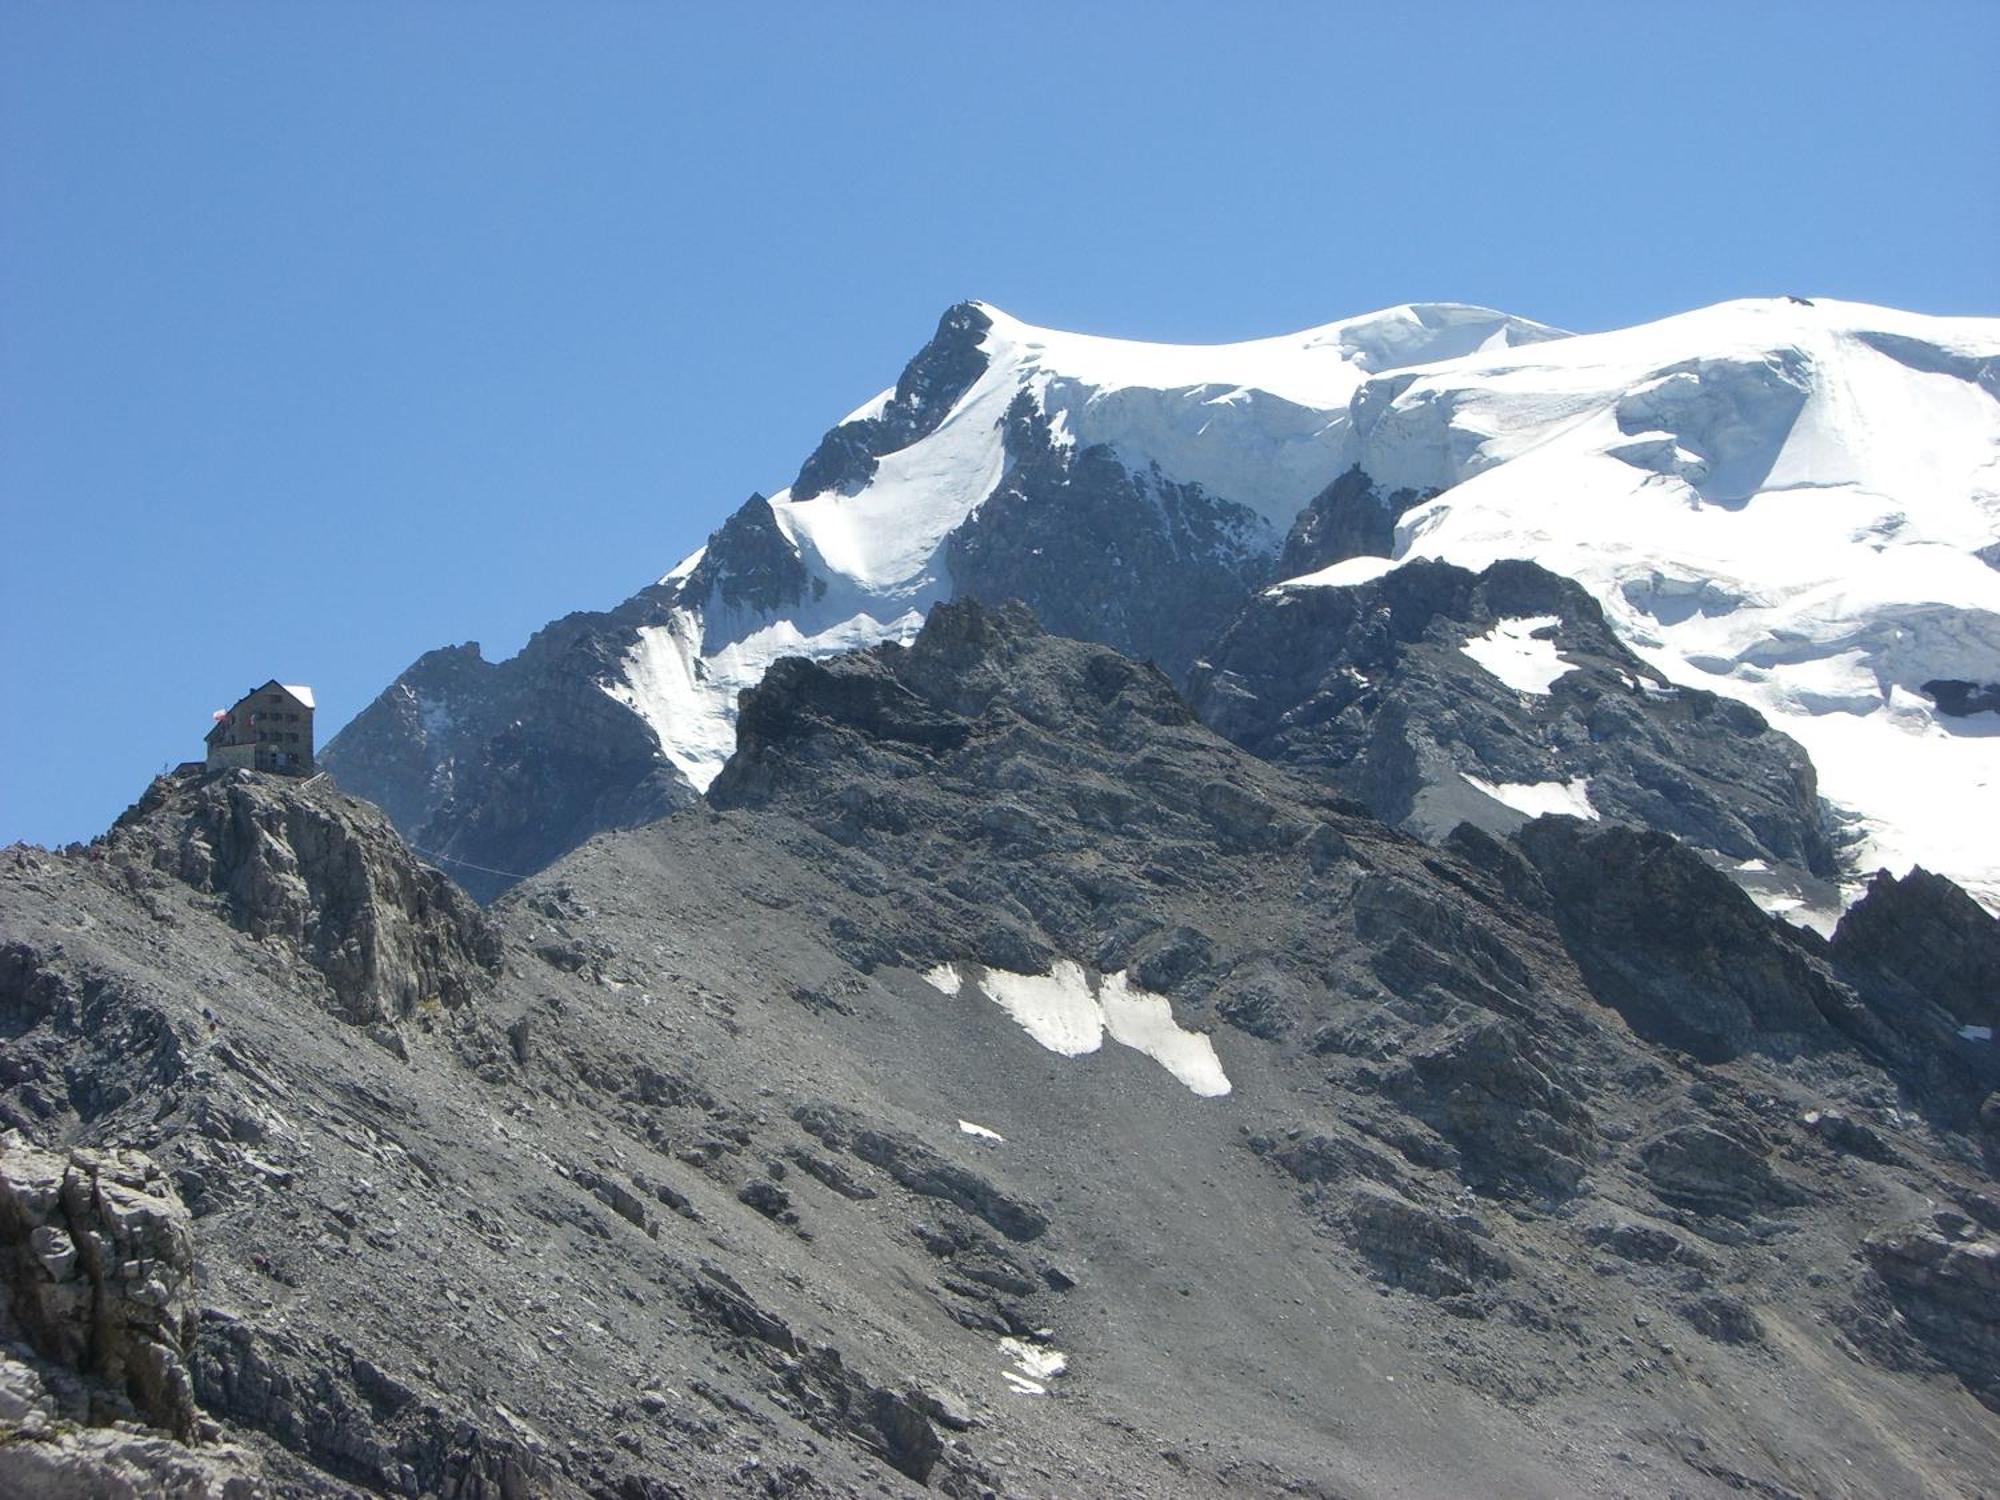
97 1256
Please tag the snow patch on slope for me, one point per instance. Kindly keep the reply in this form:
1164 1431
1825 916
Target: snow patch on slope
1030 1367
885 538
1068 1013
1144 1021
1344 574
1534 798
1516 652
689 699
1057 1009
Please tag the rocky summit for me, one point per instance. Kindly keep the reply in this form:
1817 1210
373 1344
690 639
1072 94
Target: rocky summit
1001 1083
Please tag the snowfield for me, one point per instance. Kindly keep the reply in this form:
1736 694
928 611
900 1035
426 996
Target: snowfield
1516 652
1781 501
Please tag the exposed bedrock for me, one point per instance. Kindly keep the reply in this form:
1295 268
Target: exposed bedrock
98 1261
1383 689
325 875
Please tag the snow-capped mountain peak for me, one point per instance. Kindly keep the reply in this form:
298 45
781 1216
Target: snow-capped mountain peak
1257 426
1790 502
1255 422
1316 367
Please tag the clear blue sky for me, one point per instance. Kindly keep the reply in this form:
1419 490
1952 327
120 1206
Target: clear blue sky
331 333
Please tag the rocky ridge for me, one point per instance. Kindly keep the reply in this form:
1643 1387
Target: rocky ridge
1375 687
678 1200
497 768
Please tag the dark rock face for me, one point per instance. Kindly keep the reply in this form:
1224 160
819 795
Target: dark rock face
1135 561
734 1157
831 1398
1715 1173
1351 517
350 1420
1418 1250
1958 698
1921 954
401 751
1854 1137
1656 932
495 769
1647 1243
748 565
922 1170
930 386
1921 942
1724 1319
1369 688
1518 1132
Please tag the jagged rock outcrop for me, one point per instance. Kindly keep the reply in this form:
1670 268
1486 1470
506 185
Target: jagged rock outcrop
1420 1250
833 1399
1375 688
97 1259
1945 1280
1716 1173
750 566
322 874
1517 1129
922 1170
1351 517
97 1325
50 1451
